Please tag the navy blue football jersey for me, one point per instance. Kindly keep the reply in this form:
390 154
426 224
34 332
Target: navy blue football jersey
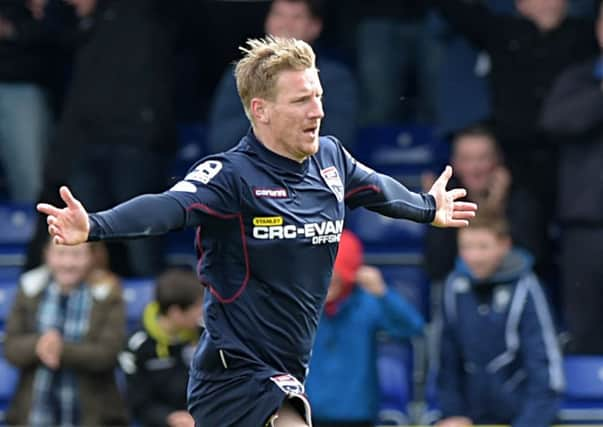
268 229
267 237
267 234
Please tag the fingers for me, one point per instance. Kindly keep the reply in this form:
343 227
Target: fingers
47 209
463 214
67 197
457 223
445 176
457 193
465 206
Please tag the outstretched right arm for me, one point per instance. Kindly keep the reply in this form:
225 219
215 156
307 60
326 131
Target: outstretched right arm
207 187
143 216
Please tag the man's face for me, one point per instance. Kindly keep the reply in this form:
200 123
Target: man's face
69 265
292 19
547 14
482 250
474 160
295 115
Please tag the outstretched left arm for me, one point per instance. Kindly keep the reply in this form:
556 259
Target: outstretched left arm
440 207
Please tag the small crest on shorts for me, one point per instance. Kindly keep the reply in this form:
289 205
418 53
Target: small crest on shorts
332 179
288 384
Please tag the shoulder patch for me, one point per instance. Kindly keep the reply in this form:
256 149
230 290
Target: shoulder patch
184 187
205 171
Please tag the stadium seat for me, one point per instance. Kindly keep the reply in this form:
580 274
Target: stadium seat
410 282
179 250
583 397
17 222
404 152
137 294
191 147
7 295
394 365
8 382
384 235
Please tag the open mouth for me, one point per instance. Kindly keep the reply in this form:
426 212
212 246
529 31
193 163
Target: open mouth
312 131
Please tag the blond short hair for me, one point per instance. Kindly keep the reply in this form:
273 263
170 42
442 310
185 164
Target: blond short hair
257 72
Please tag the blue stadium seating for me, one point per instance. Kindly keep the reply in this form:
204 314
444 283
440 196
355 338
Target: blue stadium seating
7 295
394 365
404 152
8 382
410 282
583 398
137 294
191 147
17 222
383 235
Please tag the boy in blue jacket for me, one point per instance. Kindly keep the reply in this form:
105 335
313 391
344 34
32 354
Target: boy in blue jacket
499 359
342 383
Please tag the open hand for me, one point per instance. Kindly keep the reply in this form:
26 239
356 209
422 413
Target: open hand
69 225
449 211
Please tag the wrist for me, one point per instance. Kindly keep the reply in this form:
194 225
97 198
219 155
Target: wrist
94 231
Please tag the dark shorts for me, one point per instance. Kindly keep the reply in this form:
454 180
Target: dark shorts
244 400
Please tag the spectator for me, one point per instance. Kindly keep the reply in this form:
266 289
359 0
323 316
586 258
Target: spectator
121 149
157 358
301 19
396 45
527 53
64 333
478 164
573 114
342 384
24 107
499 358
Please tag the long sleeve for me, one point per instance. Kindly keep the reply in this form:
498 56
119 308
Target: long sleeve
383 194
575 105
450 371
20 343
541 362
397 317
98 353
143 216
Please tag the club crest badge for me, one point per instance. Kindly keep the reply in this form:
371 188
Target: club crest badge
332 179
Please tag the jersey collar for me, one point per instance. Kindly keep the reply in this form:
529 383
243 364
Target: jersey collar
273 158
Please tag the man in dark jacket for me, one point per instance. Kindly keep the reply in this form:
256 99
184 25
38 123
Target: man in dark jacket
573 114
24 109
527 53
119 114
499 358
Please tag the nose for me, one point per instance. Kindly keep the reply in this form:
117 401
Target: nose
316 112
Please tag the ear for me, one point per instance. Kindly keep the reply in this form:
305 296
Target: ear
260 110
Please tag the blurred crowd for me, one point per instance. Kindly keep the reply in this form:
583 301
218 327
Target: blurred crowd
92 93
